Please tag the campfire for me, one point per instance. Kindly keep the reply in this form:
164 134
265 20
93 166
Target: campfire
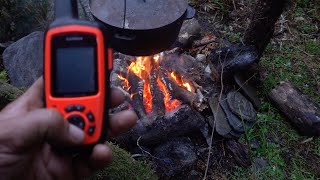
155 88
185 101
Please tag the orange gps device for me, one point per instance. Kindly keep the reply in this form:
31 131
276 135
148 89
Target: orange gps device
77 62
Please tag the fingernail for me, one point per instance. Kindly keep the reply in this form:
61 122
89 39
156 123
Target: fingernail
76 134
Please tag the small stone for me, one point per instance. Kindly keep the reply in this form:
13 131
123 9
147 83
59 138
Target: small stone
259 164
222 126
208 71
249 91
241 107
300 18
254 144
23 60
201 57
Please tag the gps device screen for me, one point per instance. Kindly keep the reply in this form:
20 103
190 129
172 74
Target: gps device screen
74 69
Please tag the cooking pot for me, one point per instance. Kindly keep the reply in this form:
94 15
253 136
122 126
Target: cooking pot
141 27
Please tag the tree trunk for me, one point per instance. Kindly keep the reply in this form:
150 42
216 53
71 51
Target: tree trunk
261 28
299 109
8 93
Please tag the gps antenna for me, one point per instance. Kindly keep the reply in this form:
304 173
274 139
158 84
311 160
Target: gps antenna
66 9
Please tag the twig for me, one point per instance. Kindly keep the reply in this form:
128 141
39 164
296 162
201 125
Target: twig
245 82
214 122
143 149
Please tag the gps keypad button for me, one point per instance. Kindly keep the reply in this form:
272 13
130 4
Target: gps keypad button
77 121
71 108
91 130
90 116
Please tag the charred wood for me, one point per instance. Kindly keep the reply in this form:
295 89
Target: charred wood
177 123
136 91
298 108
176 91
158 106
229 60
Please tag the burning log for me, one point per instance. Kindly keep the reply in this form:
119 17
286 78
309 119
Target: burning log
300 110
176 91
158 106
136 91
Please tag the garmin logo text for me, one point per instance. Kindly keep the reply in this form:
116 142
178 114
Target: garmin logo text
74 38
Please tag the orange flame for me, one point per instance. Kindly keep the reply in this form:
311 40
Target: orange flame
169 104
181 82
126 82
141 67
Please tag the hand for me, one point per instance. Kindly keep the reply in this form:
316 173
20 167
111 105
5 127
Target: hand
28 131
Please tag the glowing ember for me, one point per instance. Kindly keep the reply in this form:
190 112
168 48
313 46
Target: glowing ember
142 67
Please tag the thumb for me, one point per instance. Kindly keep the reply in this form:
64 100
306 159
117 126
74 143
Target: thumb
47 125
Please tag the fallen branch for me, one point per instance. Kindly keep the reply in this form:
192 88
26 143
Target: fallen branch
298 108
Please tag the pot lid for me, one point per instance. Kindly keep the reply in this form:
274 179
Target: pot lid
138 14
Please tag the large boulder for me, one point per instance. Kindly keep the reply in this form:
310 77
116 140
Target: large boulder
23 60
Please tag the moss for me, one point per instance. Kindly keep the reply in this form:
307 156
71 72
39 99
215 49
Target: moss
4 76
125 167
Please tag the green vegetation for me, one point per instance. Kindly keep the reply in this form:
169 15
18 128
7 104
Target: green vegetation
3 75
125 167
33 14
289 155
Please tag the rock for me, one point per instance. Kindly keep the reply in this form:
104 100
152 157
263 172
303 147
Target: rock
207 70
190 30
233 120
222 126
84 10
239 152
174 156
234 134
300 18
247 90
241 107
201 58
259 164
233 58
23 60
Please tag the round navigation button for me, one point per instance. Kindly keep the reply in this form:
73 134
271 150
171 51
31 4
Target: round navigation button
77 121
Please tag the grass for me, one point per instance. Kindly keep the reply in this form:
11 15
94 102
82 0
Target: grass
297 61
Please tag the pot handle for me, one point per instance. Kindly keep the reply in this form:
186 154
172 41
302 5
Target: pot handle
124 37
190 13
